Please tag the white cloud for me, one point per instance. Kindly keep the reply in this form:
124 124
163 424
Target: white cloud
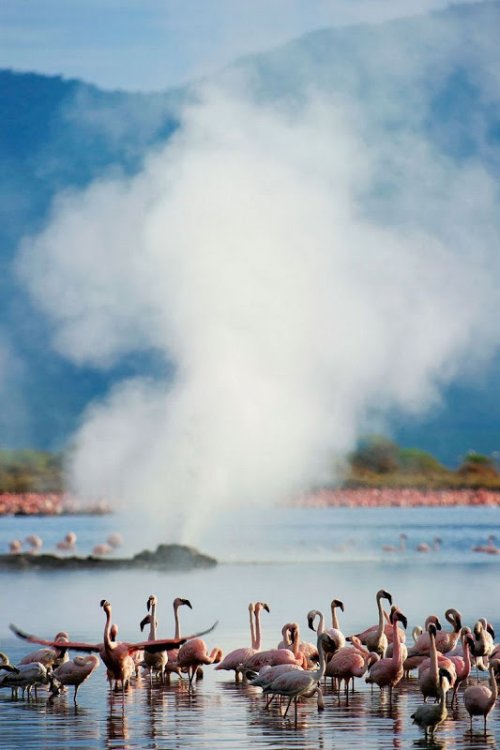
243 253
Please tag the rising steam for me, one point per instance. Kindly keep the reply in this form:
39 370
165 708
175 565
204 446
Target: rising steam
294 319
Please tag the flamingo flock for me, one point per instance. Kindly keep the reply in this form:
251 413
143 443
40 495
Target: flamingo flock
447 661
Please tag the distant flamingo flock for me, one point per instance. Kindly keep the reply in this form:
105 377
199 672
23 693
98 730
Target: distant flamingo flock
445 662
33 544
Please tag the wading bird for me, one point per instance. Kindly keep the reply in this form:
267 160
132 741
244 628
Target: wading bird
480 699
428 716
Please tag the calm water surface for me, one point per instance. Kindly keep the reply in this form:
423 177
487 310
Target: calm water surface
296 560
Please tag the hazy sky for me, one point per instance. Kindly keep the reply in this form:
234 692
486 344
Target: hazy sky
155 44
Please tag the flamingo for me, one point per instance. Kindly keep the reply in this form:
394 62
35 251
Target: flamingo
76 671
49 657
193 654
400 548
349 662
445 640
388 672
489 548
483 642
335 633
301 649
113 653
35 543
28 676
67 544
428 716
171 667
115 540
424 547
101 549
156 661
15 546
462 663
479 699
297 684
235 659
376 640
428 673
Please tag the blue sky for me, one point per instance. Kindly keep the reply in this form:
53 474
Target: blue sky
155 44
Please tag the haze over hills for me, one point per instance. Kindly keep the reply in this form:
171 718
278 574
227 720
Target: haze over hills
429 80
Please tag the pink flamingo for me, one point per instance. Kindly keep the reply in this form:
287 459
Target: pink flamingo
302 683
400 548
388 672
462 663
101 549
479 699
35 543
349 662
483 642
428 673
376 639
445 640
157 661
424 547
271 658
67 544
15 546
115 654
235 659
115 540
76 671
171 667
193 654
49 657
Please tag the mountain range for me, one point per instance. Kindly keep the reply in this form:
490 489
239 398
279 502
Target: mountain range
434 74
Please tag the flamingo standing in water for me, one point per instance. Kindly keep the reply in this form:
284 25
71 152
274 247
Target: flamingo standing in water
193 654
50 657
349 662
462 663
435 547
375 639
171 667
157 661
428 673
388 672
400 548
76 671
115 654
235 659
35 543
428 717
67 544
297 684
446 640
479 699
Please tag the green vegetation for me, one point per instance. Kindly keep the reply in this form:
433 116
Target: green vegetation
379 462
30 471
376 462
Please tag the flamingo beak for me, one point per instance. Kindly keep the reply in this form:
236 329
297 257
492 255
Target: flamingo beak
144 622
265 606
310 622
187 603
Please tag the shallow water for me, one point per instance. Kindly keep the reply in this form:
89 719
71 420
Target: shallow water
293 559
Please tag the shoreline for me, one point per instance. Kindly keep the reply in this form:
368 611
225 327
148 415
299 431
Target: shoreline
398 498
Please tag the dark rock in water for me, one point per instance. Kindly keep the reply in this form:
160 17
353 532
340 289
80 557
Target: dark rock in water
165 557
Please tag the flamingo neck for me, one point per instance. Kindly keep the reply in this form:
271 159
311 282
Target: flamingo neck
152 624
433 655
257 638
494 687
380 628
108 643
335 619
466 652
396 644
176 620
253 639
322 661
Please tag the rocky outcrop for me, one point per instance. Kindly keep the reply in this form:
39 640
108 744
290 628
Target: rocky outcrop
165 557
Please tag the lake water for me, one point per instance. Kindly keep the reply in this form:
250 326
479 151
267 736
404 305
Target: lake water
295 559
